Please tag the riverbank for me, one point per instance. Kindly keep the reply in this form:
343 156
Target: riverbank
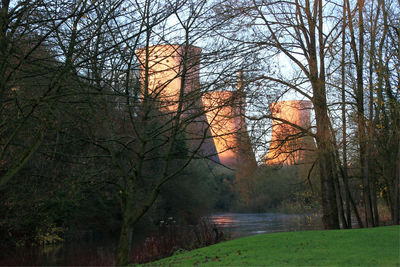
358 247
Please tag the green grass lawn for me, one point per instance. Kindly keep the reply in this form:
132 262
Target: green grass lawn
359 247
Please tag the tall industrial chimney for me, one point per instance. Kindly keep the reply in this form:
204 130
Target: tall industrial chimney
289 145
166 70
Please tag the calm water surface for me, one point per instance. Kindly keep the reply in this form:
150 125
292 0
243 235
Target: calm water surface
102 252
246 224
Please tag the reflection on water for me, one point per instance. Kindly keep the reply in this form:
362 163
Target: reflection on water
246 224
223 220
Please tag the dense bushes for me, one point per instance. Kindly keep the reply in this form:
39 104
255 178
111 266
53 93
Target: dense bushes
277 188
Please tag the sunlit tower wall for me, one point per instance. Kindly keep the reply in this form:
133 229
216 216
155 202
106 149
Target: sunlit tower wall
224 123
164 70
289 145
225 114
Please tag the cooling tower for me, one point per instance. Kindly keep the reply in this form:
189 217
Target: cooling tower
289 145
224 110
168 69
166 73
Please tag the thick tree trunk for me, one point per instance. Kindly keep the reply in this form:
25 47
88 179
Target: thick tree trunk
325 153
125 236
124 245
329 205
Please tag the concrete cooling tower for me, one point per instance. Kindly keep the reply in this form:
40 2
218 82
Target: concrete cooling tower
288 145
224 110
169 68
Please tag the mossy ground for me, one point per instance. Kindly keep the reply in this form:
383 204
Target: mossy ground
359 247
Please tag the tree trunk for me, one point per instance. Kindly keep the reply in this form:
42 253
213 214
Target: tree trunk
359 95
327 164
364 163
371 140
339 200
125 236
344 126
329 206
124 245
396 188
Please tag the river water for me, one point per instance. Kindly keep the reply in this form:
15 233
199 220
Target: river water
247 224
102 252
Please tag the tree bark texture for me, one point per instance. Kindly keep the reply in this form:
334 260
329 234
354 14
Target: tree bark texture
125 243
324 143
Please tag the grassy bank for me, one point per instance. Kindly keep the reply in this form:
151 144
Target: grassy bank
359 247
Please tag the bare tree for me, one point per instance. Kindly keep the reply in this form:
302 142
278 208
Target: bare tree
296 30
152 124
